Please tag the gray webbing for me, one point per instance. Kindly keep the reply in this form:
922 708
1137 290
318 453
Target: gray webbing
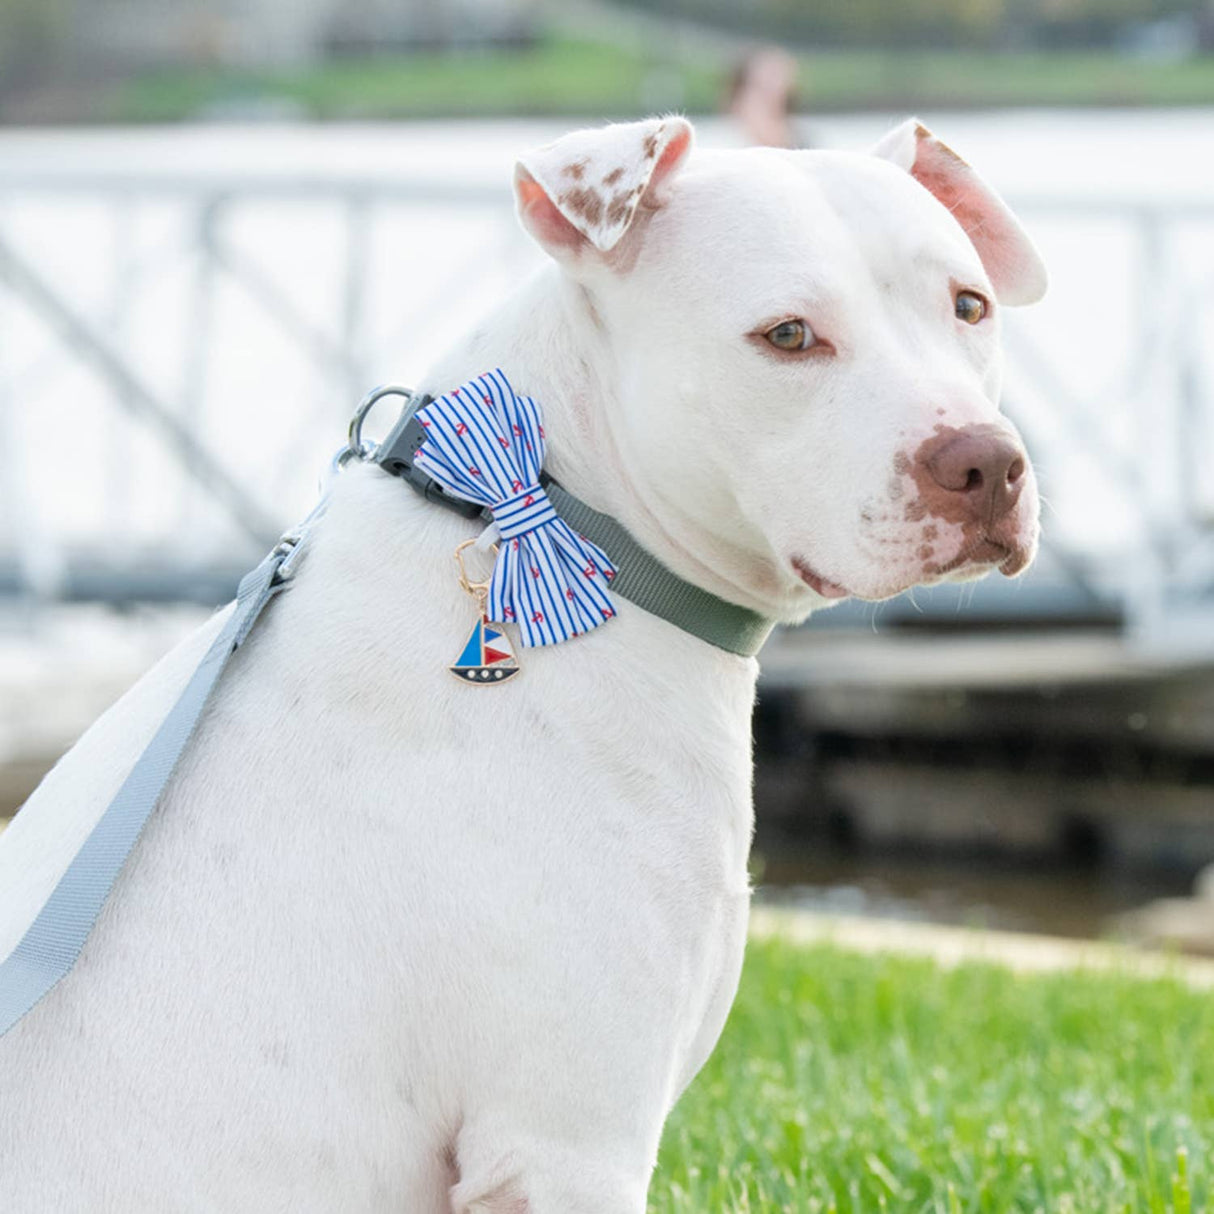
54 940
645 581
50 946
640 577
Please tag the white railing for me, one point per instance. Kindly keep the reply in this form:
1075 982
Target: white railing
179 352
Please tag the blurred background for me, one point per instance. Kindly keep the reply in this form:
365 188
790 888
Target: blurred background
221 222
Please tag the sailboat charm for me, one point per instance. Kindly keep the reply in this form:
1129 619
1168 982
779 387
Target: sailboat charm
487 658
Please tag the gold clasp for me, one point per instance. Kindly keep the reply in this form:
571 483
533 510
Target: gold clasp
478 590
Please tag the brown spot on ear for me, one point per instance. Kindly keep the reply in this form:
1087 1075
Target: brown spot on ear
585 202
650 144
922 133
613 176
576 169
931 531
915 511
619 207
939 412
925 551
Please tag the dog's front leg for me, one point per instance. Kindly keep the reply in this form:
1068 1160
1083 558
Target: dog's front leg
552 1178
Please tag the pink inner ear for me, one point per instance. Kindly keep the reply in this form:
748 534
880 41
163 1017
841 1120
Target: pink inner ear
672 155
543 218
999 244
1011 262
966 205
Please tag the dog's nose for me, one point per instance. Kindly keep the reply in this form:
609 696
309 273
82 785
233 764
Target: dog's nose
981 468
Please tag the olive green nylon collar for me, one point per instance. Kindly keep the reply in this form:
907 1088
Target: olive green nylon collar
643 579
640 577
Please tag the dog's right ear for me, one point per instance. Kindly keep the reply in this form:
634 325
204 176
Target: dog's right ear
1008 254
588 189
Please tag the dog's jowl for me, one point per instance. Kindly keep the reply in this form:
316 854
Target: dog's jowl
392 943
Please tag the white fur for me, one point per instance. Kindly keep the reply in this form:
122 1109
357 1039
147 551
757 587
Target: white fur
391 943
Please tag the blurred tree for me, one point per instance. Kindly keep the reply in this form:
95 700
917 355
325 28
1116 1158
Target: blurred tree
1205 26
31 38
987 24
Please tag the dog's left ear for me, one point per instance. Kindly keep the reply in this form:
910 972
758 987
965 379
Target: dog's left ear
585 191
1008 255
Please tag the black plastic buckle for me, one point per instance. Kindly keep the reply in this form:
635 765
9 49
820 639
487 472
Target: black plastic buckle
396 455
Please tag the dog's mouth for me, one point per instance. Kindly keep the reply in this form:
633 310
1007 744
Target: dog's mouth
817 583
984 552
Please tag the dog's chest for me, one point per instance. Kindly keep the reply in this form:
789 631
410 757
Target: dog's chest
596 806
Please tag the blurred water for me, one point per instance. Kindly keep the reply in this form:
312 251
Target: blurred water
1044 898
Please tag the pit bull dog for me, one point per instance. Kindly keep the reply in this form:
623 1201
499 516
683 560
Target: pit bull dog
391 944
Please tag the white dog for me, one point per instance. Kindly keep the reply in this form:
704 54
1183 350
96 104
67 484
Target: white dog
389 943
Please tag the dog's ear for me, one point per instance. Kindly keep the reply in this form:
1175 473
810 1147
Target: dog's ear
1008 255
585 191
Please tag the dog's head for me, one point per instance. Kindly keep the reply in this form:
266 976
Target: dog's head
805 353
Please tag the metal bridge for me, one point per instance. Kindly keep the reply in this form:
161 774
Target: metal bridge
179 351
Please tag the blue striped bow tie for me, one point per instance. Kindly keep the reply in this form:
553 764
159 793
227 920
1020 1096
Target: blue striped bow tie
486 445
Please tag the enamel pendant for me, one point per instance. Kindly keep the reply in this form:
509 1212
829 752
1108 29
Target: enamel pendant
487 657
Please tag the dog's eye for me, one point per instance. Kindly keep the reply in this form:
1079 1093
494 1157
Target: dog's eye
970 307
791 335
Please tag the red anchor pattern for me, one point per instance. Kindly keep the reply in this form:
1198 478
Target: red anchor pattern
467 421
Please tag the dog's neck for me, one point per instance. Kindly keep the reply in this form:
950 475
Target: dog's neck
553 346
545 340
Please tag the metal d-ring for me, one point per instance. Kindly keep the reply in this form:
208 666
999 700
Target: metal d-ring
355 448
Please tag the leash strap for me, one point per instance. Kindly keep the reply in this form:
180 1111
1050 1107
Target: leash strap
54 940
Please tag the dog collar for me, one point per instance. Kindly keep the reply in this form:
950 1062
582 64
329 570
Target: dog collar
639 576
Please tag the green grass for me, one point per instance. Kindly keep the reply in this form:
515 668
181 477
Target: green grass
556 76
560 75
852 1083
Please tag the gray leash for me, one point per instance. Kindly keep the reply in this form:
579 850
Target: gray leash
54 940
50 946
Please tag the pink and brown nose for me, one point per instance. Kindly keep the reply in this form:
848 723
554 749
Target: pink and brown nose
973 474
